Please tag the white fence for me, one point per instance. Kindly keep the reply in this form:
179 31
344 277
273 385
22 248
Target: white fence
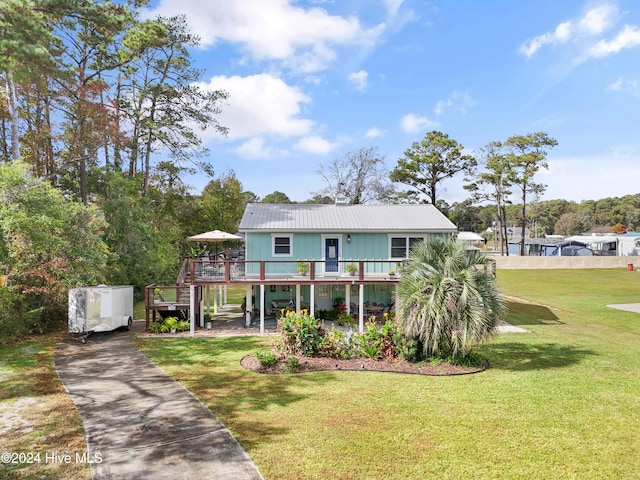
515 262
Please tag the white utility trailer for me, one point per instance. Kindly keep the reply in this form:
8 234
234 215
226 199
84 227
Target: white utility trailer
100 309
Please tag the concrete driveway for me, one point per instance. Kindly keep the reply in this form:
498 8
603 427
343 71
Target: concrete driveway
140 423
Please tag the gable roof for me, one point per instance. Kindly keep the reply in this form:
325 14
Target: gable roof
325 218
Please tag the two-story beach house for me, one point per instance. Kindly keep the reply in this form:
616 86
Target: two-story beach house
310 256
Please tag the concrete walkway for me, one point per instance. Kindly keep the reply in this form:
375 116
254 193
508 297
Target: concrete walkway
140 422
627 307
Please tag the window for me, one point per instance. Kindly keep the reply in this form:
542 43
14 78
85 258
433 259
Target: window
282 245
401 246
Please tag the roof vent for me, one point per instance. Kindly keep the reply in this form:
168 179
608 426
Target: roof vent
341 200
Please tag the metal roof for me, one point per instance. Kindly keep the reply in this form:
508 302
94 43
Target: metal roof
374 218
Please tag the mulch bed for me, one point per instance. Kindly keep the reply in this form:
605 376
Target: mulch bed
317 364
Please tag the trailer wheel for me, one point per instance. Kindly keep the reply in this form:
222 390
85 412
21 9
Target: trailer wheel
129 323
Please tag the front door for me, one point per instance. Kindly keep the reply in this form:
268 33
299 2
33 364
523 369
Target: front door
331 254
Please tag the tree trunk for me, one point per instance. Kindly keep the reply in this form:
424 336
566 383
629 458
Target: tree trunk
524 221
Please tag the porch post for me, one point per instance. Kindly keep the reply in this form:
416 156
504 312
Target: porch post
361 308
220 296
192 309
347 297
215 300
225 294
312 299
248 308
297 297
201 306
208 292
262 308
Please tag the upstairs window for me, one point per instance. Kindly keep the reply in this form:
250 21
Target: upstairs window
400 247
282 245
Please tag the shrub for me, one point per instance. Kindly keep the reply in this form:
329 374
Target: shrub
293 364
337 344
345 319
171 323
183 326
154 327
301 334
377 344
409 349
266 358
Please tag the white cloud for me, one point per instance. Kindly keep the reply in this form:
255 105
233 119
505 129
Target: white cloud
255 148
626 86
314 144
598 19
592 23
304 39
359 79
261 105
461 101
441 106
412 123
627 38
561 34
374 132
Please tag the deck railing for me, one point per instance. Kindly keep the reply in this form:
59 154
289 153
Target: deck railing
243 271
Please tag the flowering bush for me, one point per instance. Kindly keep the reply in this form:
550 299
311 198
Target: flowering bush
301 334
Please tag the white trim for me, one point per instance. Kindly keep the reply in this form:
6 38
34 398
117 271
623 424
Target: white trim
273 244
407 237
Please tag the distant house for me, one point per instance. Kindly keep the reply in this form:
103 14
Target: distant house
315 255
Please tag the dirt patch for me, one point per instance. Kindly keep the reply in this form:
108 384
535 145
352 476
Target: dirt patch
317 364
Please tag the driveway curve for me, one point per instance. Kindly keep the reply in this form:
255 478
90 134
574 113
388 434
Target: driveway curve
139 422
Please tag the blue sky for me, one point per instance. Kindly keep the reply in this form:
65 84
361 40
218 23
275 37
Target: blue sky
310 81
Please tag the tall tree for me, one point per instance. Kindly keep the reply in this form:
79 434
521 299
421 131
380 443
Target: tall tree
163 101
427 163
48 244
493 184
527 155
361 176
222 204
276 197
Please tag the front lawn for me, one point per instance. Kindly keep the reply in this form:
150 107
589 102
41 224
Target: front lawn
559 402
38 420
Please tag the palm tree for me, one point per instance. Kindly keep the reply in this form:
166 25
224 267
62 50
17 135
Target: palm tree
447 299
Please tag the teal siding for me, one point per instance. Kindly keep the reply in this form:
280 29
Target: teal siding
306 245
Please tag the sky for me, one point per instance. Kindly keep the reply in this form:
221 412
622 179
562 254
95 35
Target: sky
312 80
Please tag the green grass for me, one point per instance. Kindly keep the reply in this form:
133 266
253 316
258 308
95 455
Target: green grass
36 414
559 402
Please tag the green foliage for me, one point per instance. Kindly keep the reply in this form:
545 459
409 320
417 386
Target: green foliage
301 334
302 267
266 358
48 244
154 327
377 343
337 344
171 322
293 364
345 318
168 324
428 162
445 301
